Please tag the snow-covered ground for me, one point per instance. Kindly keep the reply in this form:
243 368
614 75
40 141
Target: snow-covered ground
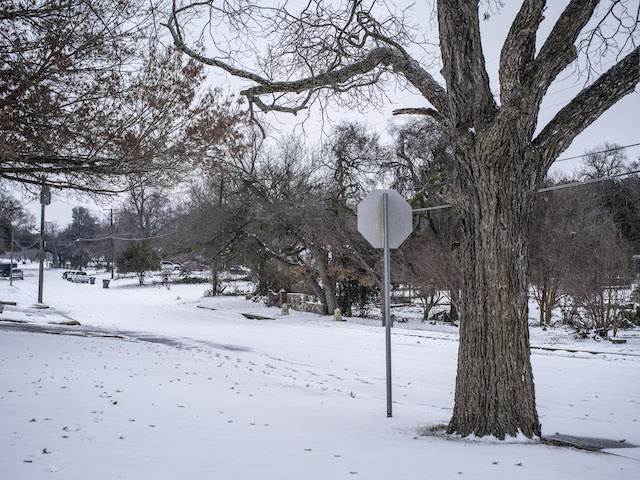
163 383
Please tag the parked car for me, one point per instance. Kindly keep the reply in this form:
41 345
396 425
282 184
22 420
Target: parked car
68 275
79 277
169 266
18 274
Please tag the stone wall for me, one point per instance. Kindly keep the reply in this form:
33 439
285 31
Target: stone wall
304 303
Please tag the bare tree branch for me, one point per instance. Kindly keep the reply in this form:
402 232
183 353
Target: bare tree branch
471 103
422 111
338 78
587 106
519 49
559 50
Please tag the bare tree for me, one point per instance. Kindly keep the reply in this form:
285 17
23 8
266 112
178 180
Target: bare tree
604 160
423 164
423 169
554 228
291 213
145 211
620 196
212 222
350 49
598 276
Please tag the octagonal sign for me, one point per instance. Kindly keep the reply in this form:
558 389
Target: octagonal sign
371 221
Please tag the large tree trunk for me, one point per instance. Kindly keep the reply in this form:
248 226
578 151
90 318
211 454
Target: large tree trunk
318 291
329 296
494 385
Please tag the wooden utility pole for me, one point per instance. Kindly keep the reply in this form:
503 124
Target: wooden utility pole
111 238
11 261
45 199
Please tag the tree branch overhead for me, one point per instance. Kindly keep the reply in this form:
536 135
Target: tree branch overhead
348 74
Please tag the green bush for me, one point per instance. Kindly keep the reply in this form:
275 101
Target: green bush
138 258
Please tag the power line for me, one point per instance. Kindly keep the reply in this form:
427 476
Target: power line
613 149
546 189
107 237
586 182
22 246
141 239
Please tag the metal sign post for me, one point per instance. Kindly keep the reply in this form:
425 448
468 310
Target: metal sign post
385 221
387 297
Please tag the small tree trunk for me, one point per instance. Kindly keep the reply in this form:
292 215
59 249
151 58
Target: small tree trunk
494 385
214 277
454 299
552 299
426 310
542 304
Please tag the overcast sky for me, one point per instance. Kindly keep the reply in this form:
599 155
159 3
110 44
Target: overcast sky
618 125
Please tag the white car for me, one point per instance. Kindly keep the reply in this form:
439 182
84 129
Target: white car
169 266
79 277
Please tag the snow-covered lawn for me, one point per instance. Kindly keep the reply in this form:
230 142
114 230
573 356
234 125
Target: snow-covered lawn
166 384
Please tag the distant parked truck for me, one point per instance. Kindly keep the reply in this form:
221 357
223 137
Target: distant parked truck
78 277
18 274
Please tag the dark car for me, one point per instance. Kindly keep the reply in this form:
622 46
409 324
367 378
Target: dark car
6 267
67 275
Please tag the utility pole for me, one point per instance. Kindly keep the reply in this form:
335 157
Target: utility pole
111 239
11 261
45 199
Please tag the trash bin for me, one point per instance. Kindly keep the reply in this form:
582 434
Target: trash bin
105 283
92 280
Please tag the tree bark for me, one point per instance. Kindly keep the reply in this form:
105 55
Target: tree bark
494 384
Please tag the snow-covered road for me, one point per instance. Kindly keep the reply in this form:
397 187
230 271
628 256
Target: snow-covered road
187 387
